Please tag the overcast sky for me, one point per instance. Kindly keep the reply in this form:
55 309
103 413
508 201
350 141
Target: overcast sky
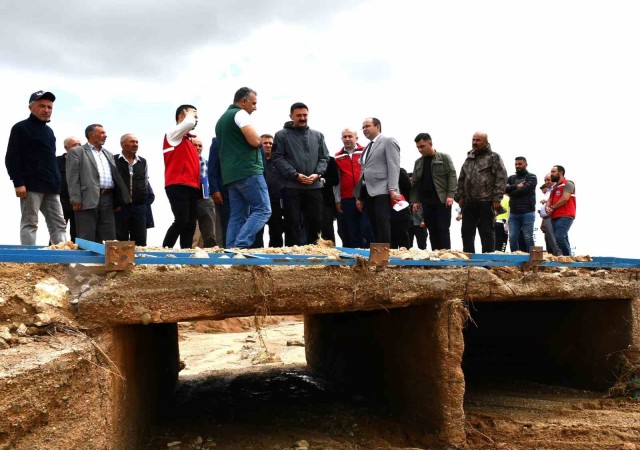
555 81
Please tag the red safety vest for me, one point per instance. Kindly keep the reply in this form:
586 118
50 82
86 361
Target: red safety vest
181 163
566 210
349 168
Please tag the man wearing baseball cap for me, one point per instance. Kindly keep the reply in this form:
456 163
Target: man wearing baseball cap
31 163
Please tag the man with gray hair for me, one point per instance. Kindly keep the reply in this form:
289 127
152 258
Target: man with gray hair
95 187
131 220
31 164
67 209
243 170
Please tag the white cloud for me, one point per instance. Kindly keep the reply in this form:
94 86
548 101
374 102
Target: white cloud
553 81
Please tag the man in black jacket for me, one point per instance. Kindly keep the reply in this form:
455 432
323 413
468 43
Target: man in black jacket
67 209
31 163
131 220
521 189
301 156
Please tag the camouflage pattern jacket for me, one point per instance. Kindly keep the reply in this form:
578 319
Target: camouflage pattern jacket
483 177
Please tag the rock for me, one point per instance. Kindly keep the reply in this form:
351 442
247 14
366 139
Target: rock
300 445
43 319
173 444
4 333
199 440
4 345
51 292
628 446
199 253
22 330
80 279
145 318
295 343
2 301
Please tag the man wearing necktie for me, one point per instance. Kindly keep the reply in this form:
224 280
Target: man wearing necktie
378 184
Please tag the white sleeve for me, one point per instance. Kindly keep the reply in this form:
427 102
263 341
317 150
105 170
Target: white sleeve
242 119
175 134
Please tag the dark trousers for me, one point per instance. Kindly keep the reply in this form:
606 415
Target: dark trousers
328 216
478 215
97 224
420 233
400 233
501 237
276 224
206 222
353 226
299 205
131 224
224 213
437 217
378 210
70 217
184 205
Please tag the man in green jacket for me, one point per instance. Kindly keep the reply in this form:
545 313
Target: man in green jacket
433 185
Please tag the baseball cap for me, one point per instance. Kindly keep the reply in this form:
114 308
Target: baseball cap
42 94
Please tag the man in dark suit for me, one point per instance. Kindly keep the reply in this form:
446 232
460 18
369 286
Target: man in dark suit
67 210
95 187
378 184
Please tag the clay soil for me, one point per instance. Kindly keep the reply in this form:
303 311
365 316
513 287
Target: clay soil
230 398
246 390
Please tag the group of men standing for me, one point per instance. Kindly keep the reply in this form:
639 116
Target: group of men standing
104 197
283 181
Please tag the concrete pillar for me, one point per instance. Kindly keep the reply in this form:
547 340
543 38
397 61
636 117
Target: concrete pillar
410 356
147 357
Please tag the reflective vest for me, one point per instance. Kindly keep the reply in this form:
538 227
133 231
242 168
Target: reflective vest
349 168
181 163
566 210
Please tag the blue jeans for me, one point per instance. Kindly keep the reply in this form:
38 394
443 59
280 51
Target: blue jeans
521 223
250 210
561 227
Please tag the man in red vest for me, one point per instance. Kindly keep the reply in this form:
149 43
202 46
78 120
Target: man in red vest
561 207
353 225
182 177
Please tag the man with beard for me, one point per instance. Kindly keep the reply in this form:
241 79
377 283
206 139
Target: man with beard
481 185
433 187
562 207
521 188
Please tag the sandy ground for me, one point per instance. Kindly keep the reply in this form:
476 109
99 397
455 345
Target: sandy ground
235 395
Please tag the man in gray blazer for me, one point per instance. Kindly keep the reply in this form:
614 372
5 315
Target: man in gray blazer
95 187
378 184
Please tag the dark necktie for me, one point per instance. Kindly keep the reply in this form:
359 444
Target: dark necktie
365 153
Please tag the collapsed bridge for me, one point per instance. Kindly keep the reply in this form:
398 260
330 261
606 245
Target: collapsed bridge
413 331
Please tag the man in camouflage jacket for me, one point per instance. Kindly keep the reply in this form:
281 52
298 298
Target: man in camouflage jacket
481 185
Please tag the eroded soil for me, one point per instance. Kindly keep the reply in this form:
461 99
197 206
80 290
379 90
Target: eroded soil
228 400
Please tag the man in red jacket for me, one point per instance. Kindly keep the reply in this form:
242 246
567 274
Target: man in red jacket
561 207
353 225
